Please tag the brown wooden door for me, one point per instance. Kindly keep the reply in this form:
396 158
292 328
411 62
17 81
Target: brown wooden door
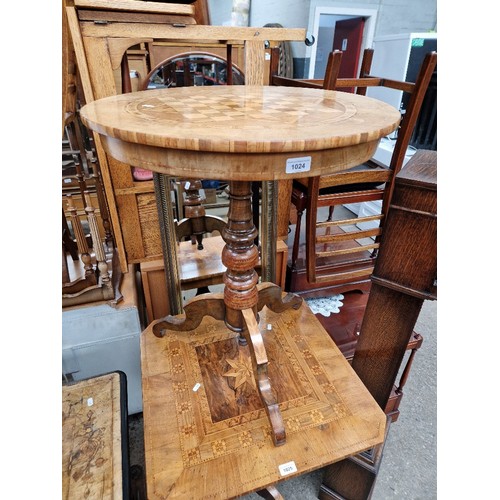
347 37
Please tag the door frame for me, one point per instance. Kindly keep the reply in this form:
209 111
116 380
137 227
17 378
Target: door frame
370 16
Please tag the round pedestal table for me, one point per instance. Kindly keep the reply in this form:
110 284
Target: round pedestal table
242 134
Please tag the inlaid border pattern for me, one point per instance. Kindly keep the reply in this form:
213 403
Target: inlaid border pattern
201 439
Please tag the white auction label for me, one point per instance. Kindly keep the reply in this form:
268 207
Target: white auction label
296 165
287 468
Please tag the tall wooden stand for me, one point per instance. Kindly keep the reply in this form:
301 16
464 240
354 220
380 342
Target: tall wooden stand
404 276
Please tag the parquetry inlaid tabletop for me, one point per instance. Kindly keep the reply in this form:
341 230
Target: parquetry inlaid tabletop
336 129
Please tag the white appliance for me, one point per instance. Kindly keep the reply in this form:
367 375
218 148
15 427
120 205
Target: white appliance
101 339
399 57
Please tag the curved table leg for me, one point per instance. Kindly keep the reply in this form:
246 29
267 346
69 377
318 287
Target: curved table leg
259 359
270 295
199 307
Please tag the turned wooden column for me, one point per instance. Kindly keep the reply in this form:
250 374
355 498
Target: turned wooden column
240 256
194 210
404 276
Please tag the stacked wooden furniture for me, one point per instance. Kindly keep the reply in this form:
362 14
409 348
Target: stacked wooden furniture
405 275
261 392
160 30
86 269
339 254
105 34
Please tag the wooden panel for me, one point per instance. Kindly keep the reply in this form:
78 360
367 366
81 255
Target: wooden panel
134 6
132 234
92 441
133 17
192 32
223 433
155 291
254 62
149 228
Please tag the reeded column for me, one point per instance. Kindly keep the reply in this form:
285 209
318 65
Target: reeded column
100 255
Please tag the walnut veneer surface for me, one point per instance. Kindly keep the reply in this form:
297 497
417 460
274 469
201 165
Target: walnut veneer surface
214 441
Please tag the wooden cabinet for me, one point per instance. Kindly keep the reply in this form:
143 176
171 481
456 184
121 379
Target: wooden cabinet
404 276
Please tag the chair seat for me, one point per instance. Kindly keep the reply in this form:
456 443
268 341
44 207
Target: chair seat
207 434
348 188
302 184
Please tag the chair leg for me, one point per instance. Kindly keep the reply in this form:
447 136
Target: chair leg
296 239
406 370
330 213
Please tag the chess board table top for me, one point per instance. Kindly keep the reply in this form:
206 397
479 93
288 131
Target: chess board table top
250 130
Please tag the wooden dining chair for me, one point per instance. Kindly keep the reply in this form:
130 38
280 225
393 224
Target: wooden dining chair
326 83
347 267
340 254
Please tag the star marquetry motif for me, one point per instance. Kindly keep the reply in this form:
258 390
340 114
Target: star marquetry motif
242 370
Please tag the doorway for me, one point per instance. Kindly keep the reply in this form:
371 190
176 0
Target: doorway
349 30
348 37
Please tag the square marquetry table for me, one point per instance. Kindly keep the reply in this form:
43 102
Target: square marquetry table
244 388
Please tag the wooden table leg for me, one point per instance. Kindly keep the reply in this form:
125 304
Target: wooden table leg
260 362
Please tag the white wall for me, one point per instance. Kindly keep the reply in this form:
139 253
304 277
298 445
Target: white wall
288 13
394 16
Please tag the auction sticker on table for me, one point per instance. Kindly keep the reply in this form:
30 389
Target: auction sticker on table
295 165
